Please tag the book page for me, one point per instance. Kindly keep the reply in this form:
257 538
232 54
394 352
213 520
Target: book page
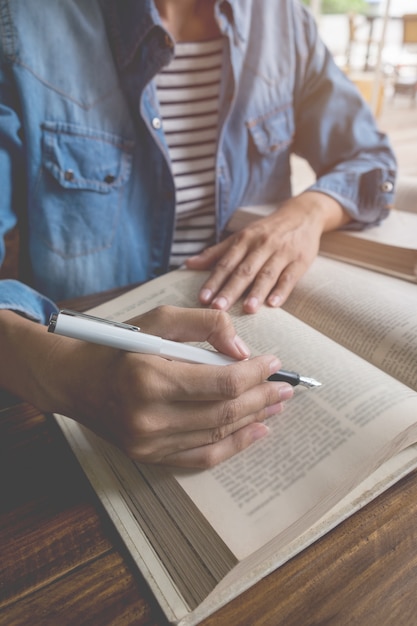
246 574
326 441
371 314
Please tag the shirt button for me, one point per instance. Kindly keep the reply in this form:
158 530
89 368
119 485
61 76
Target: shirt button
168 42
387 186
69 175
109 179
156 123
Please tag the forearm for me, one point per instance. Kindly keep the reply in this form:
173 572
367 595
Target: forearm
323 210
25 365
19 343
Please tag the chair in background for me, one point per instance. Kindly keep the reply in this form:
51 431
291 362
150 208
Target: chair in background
410 32
405 70
359 43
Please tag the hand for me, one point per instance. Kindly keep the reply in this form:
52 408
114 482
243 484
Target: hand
267 258
155 410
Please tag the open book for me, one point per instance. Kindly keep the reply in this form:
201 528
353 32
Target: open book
203 537
390 248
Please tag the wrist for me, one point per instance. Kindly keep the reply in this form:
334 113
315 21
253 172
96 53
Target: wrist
323 209
25 368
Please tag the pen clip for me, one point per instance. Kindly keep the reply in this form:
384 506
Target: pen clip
94 319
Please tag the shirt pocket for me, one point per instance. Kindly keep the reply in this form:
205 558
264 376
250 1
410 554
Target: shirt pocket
81 188
273 132
270 139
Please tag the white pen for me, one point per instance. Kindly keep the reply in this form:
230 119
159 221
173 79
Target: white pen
130 338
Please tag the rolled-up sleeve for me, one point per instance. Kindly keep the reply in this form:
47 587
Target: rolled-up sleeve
18 297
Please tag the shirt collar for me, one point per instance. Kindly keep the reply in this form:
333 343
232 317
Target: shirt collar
130 21
234 18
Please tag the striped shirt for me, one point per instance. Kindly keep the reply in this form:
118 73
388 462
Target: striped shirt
188 92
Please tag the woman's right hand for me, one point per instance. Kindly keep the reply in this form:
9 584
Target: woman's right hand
155 410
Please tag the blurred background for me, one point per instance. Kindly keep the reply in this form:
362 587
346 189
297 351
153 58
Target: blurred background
375 43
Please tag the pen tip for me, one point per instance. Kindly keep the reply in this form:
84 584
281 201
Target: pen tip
309 382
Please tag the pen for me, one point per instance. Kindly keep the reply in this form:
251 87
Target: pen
130 338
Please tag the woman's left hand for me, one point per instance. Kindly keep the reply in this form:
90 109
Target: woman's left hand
268 257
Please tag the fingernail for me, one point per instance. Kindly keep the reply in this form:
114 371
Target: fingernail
274 300
286 392
274 366
259 431
251 303
206 295
273 409
220 303
241 346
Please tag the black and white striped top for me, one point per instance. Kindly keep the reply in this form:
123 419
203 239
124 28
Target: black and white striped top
188 92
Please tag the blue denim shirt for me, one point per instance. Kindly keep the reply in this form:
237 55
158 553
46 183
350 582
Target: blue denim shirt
84 165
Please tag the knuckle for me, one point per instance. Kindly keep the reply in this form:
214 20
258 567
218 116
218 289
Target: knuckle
245 270
138 448
267 273
242 237
216 435
162 313
144 442
231 411
210 457
145 428
137 430
261 368
224 264
221 319
231 383
272 393
144 454
287 278
263 239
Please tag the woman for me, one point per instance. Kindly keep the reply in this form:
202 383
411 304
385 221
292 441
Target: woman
130 133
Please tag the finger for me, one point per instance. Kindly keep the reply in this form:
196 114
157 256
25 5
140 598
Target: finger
184 382
251 270
224 416
185 324
236 271
155 449
285 284
207 456
266 280
207 257
227 262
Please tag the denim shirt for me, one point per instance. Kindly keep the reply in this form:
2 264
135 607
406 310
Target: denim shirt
84 164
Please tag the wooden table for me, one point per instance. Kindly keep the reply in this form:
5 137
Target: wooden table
62 563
